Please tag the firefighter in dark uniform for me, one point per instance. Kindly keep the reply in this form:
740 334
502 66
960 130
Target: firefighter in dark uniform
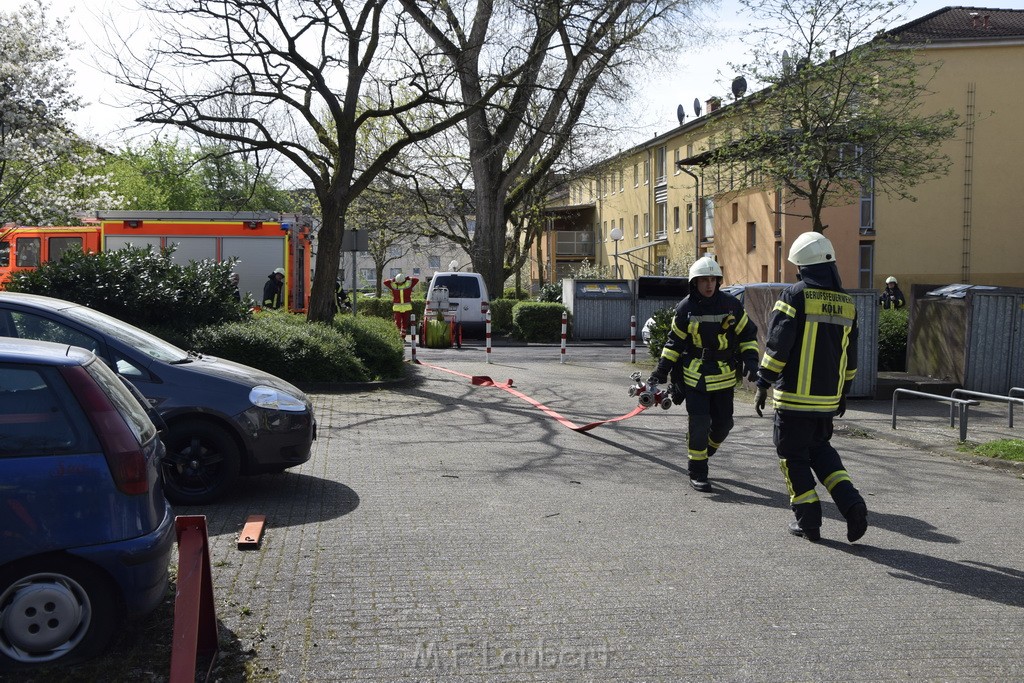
711 345
810 358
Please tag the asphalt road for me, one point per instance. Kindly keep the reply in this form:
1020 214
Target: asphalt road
447 531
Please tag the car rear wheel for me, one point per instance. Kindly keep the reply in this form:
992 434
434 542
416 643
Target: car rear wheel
201 464
55 610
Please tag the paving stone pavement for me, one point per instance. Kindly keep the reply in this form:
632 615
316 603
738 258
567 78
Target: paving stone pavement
445 531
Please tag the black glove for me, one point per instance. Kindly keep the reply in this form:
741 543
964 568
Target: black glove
655 379
842 406
750 369
678 392
760 398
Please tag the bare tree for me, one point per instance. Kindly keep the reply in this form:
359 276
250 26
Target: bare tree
302 78
562 53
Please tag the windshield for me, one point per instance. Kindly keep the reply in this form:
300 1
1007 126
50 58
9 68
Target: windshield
140 340
463 287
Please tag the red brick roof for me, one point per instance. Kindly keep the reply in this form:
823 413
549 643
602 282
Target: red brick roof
963 24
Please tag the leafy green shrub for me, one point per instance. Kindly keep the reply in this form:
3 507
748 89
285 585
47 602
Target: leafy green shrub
285 345
892 339
376 343
501 316
551 293
140 286
659 331
512 293
535 321
380 307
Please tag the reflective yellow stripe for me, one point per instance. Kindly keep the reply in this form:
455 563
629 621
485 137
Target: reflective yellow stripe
804 373
742 323
669 354
679 333
783 307
749 346
835 478
809 497
771 364
784 466
698 455
714 444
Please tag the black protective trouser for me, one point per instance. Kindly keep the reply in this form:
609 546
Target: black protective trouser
710 421
805 452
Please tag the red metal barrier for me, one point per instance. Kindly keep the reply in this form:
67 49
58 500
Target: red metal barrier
195 617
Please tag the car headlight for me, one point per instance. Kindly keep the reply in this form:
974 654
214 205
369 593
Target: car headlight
275 399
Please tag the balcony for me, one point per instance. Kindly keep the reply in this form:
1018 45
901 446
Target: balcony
574 243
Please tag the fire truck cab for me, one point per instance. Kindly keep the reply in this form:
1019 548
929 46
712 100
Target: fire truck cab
25 248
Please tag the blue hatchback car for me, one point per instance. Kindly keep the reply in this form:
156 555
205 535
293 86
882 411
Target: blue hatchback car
85 531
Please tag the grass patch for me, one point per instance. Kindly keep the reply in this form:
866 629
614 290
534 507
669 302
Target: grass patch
1000 449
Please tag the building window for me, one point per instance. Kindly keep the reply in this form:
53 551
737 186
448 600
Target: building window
636 175
689 150
622 222
662 265
662 220
434 262
636 226
752 236
660 168
622 182
647 171
778 214
647 224
689 217
675 161
867 264
867 207
735 211
601 232
778 261
675 219
709 220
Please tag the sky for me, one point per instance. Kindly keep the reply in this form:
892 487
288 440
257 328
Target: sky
696 74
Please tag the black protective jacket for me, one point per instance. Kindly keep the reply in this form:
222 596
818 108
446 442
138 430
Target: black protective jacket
892 298
710 341
811 352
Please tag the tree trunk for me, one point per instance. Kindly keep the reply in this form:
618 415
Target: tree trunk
328 260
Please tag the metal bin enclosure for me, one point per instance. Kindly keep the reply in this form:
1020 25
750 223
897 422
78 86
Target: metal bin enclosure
654 293
600 308
970 335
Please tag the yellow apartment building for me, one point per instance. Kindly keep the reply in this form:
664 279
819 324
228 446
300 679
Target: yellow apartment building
966 227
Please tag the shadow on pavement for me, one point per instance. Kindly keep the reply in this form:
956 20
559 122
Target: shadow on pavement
978 580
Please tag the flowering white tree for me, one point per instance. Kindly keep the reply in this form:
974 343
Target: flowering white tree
47 174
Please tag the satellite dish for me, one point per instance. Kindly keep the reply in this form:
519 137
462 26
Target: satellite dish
786 63
739 86
696 106
680 114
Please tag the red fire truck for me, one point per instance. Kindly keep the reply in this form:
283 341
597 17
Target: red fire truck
260 241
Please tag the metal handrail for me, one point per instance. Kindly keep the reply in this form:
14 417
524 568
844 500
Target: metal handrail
960 403
1009 400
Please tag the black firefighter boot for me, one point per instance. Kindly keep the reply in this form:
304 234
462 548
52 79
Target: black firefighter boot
699 476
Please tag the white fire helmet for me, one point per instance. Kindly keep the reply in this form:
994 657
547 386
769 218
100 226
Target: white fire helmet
811 248
890 280
400 278
705 266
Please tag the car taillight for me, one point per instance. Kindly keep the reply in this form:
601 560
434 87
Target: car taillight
484 306
124 455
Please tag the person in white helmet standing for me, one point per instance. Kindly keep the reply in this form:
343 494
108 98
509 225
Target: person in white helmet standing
711 345
273 289
892 297
810 358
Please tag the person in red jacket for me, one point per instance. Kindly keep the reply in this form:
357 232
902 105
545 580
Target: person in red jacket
401 299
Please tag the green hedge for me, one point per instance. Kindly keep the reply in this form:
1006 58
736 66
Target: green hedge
537 321
381 307
376 343
141 287
287 346
659 331
501 316
892 339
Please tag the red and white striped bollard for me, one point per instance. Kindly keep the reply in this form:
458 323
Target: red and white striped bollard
487 335
632 339
565 321
412 324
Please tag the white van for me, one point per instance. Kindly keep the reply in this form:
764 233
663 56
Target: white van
466 299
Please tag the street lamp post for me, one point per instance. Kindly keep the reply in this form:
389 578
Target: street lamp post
616 235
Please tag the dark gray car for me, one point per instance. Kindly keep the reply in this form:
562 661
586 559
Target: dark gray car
223 418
